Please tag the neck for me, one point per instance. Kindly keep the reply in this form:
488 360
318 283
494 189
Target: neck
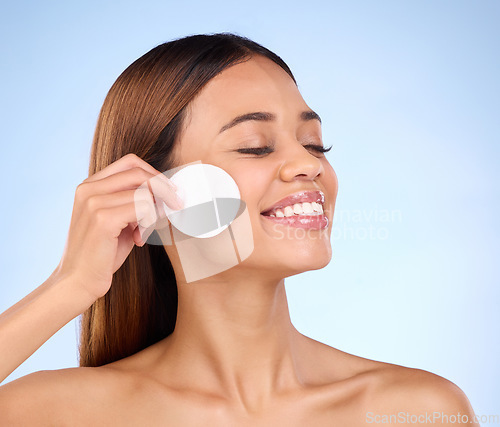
235 336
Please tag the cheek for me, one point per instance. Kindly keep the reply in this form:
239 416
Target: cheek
252 183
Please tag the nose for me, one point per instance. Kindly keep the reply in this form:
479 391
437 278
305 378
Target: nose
300 163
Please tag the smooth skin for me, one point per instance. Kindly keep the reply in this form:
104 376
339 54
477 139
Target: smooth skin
234 358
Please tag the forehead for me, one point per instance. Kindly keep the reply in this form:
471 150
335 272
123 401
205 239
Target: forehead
255 85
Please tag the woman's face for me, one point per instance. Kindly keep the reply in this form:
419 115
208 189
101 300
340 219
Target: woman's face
260 85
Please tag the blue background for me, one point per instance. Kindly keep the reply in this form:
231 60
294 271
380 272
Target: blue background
409 97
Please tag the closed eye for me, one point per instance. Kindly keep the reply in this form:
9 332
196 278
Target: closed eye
268 149
319 148
258 151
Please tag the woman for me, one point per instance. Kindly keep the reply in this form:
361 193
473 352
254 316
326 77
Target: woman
158 350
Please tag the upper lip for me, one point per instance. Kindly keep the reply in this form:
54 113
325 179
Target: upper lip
299 197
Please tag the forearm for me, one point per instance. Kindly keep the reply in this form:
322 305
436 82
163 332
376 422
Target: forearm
29 323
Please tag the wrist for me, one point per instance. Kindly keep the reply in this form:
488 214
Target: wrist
74 291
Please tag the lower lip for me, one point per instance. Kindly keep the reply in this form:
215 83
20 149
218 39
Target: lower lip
314 222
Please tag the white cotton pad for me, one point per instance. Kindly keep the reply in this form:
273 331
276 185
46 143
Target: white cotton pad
211 200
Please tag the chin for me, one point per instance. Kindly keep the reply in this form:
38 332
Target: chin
309 260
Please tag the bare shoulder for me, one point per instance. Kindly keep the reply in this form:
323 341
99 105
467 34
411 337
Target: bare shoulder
51 397
397 387
390 389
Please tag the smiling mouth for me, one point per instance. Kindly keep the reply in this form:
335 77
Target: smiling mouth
313 221
303 209
297 209
302 203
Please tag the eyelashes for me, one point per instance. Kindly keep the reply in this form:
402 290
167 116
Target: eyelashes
319 148
268 149
258 151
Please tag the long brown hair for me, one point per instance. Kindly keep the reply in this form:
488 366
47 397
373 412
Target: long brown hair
143 113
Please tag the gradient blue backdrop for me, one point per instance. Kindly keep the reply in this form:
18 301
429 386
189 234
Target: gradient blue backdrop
409 96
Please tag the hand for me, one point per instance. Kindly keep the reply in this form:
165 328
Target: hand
111 212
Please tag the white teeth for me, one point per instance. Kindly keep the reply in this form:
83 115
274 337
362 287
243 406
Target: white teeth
307 207
297 208
288 211
316 207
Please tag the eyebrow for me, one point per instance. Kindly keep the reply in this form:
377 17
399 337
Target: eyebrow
266 117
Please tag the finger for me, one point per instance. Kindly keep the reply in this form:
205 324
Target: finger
161 221
114 219
134 232
138 237
144 233
144 230
170 197
125 163
102 201
143 193
129 179
106 201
